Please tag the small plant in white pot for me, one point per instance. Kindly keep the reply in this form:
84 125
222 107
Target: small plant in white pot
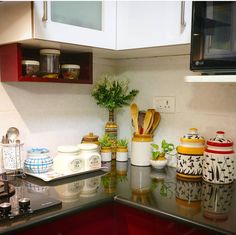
106 147
122 150
159 159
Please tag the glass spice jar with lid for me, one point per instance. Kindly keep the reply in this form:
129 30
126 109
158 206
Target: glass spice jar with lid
49 63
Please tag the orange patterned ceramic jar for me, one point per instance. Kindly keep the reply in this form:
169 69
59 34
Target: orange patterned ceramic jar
190 154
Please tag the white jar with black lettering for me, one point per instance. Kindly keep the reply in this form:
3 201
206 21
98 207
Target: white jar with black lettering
89 153
68 160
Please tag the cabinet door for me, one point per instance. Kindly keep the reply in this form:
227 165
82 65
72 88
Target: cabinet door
89 23
153 23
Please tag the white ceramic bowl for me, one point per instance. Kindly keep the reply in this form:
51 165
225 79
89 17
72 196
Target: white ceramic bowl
158 164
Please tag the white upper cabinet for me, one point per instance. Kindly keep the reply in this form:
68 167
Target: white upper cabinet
143 24
89 23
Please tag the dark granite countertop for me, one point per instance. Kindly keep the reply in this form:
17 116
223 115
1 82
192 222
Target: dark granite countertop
197 203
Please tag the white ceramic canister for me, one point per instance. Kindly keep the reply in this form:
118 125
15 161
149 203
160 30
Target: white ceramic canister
91 157
38 160
68 160
122 154
190 155
141 150
106 154
218 161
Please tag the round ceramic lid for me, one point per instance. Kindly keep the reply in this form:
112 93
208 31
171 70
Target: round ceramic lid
68 149
38 150
192 137
220 140
87 146
90 137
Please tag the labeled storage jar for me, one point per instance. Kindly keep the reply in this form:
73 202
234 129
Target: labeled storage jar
91 157
49 63
190 154
70 71
68 160
141 150
30 68
38 161
218 161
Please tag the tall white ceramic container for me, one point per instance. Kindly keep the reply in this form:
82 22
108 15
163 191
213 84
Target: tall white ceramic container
141 150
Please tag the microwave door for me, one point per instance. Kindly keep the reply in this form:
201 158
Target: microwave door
219 32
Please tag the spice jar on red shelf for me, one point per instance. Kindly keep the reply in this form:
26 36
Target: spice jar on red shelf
218 160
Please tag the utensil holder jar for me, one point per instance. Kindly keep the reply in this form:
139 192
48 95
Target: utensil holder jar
12 160
141 150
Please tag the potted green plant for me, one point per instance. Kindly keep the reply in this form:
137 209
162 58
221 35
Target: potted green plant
122 150
159 159
106 144
112 93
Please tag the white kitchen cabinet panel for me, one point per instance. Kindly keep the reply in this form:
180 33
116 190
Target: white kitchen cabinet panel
143 24
89 23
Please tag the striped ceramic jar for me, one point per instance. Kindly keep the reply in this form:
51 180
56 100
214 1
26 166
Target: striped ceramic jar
190 154
218 161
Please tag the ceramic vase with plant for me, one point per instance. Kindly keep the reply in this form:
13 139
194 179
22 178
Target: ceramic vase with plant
159 159
112 93
122 150
106 144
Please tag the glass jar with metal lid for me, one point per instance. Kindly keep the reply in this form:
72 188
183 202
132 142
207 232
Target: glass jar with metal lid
49 62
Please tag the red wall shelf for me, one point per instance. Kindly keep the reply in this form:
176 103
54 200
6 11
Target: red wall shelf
11 56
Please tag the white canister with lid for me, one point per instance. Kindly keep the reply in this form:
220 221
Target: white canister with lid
218 160
91 157
68 160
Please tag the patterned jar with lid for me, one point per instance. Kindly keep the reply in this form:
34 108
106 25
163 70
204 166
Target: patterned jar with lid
190 154
218 161
90 139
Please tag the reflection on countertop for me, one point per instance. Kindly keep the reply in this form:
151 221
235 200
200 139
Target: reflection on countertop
158 191
208 205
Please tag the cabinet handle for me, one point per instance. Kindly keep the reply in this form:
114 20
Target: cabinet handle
183 22
45 11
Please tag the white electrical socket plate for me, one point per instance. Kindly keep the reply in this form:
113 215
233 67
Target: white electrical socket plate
164 104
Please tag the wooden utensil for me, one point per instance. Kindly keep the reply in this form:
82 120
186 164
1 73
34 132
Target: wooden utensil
156 121
134 115
147 120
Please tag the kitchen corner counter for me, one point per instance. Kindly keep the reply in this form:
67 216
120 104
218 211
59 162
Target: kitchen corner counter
197 204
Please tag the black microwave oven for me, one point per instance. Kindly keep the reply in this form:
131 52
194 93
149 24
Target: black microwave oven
213 37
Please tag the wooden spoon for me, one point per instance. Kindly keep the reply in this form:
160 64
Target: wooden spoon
147 120
157 118
134 115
